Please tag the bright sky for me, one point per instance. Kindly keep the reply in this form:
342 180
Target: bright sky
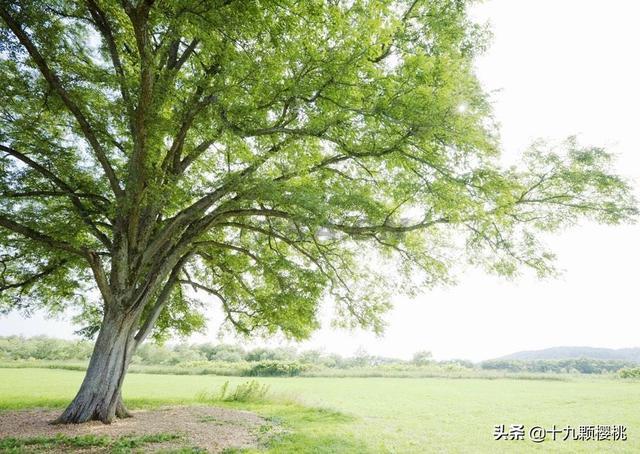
555 68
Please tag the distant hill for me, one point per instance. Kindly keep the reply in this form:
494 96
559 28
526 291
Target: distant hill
624 354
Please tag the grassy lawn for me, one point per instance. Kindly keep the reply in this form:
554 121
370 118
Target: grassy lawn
396 415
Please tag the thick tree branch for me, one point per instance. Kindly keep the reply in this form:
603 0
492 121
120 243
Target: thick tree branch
36 194
193 155
161 301
370 229
100 277
196 211
175 152
40 237
106 30
176 63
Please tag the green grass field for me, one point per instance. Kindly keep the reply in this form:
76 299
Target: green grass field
394 415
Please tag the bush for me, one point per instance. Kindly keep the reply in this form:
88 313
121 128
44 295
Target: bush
276 369
271 354
42 347
250 391
222 352
630 372
422 357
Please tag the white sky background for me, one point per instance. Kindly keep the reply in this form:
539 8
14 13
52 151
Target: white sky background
555 68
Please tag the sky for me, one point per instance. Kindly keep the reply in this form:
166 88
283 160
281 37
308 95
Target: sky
555 68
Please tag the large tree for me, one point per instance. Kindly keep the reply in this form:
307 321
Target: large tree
272 154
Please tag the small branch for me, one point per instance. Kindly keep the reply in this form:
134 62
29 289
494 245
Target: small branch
31 279
237 325
230 246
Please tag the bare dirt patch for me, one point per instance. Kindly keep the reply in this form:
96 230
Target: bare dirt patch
208 428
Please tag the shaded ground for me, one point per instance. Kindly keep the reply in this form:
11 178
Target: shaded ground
207 428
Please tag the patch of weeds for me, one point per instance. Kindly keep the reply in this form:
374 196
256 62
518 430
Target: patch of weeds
223 390
274 419
119 445
194 450
124 444
270 434
250 391
211 419
13 444
325 415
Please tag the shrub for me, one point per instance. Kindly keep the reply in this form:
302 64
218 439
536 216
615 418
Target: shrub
422 357
630 372
250 391
276 369
271 354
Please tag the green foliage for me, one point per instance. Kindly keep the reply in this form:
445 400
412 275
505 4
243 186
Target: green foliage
422 357
630 372
250 391
230 360
275 354
272 155
276 369
226 353
41 347
121 445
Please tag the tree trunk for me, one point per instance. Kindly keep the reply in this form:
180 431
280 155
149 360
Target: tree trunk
100 397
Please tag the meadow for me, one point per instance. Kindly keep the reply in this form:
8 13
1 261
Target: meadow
380 415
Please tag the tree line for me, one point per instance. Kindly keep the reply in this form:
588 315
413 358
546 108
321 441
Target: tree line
284 360
13 348
574 365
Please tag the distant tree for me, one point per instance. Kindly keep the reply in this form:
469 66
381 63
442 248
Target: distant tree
267 153
422 357
311 357
361 358
276 354
333 360
155 354
222 352
41 347
185 353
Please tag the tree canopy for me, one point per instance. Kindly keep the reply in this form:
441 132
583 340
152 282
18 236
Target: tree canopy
273 154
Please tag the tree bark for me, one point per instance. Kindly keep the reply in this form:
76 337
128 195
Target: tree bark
100 396
121 410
